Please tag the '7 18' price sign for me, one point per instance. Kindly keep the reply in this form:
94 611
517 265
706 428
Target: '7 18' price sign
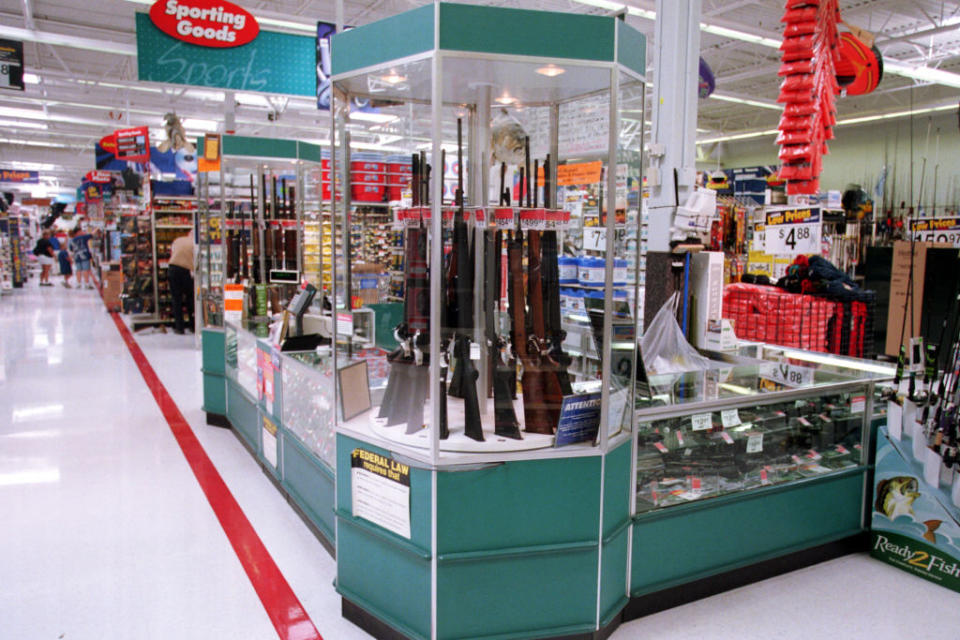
792 232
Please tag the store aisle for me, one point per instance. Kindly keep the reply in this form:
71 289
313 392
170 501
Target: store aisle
108 535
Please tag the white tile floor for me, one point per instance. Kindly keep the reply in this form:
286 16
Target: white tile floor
105 533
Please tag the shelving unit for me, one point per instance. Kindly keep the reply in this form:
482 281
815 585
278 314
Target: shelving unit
172 216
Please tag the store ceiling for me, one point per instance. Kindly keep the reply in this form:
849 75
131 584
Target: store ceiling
85 85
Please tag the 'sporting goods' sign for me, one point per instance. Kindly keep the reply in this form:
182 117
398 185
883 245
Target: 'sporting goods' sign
207 23
271 62
23 177
944 230
792 231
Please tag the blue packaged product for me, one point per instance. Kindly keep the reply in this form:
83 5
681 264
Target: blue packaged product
590 271
568 269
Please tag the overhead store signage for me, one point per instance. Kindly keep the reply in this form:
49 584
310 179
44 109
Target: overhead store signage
207 23
11 65
578 173
101 177
272 62
943 230
133 144
792 231
23 177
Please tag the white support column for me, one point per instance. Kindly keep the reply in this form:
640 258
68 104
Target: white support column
674 130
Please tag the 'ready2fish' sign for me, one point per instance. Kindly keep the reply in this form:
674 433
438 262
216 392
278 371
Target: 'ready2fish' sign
207 23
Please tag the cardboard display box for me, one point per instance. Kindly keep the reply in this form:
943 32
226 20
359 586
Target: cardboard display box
914 525
111 279
899 283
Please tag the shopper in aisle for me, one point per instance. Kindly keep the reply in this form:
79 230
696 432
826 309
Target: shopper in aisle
45 255
80 248
65 260
180 276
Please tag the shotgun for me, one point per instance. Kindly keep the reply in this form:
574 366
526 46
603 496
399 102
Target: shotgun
277 229
504 380
460 283
534 417
291 246
254 234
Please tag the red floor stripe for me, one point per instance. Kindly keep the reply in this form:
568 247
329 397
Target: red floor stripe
284 609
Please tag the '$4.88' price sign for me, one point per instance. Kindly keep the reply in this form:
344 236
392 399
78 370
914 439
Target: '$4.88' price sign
792 232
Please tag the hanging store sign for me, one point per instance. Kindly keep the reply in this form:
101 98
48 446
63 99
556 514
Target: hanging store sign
22 177
272 62
100 177
206 23
936 230
132 144
11 65
792 232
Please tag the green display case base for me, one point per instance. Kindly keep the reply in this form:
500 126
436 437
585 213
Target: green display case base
380 630
217 420
705 587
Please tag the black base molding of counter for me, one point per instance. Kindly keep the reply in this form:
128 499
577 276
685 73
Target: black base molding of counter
382 631
675 596
217 420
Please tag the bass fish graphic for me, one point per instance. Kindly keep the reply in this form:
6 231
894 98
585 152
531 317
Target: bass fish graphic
895 496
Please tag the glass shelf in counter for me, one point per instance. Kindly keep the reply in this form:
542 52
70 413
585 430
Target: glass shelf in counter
692 457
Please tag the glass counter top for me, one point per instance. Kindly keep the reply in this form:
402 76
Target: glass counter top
741 377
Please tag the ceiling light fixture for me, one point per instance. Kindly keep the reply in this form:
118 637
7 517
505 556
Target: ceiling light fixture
551 70
505 99
393 78
845 121
753 103
366 116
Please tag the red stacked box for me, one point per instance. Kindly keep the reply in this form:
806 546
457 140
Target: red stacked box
808 91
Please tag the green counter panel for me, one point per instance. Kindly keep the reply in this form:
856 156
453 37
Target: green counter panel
682 544
389 581
521 538
212 346
243 415
617 492
309 483
518 504
214 380
524 595
385 574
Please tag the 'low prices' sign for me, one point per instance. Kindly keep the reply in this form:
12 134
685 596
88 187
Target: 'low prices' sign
792 231
936 230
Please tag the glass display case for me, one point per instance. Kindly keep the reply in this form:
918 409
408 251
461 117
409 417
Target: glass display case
750 423
241 355
506 305
308 403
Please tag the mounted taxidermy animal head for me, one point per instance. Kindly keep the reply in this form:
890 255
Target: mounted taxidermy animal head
176 136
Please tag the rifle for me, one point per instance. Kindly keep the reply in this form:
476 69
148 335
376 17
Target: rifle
232 246
504 381
243 272
290 245
533 416
255 255
555 335
460 284
408 380
277 230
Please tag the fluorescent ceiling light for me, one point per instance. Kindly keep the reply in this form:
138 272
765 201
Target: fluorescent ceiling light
13 112
924 74
31 78
64 40
752 103
735 34
844 121
199 123
21 124
379 118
